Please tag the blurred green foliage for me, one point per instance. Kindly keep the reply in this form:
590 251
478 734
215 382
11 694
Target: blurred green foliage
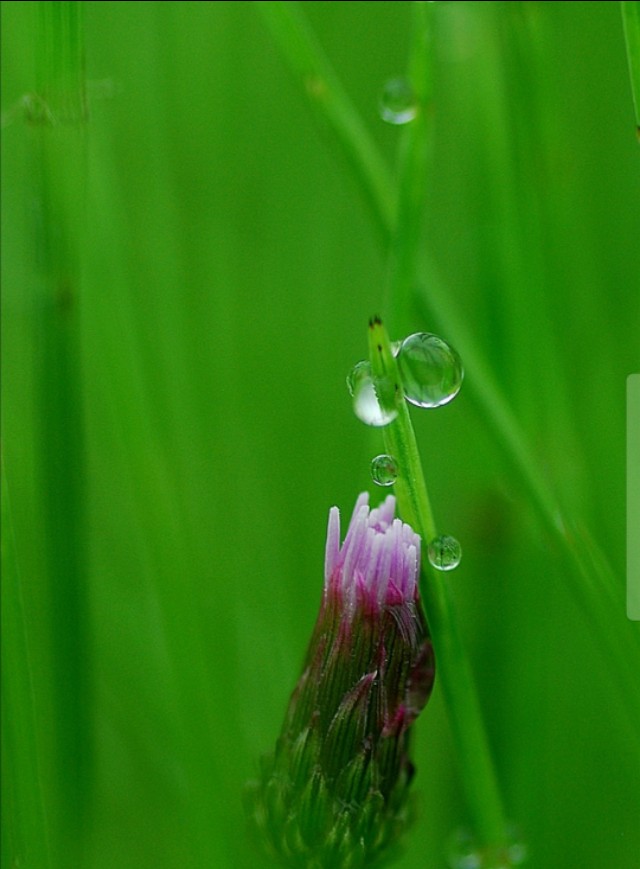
164 562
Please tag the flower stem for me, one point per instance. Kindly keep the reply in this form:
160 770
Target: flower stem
477 772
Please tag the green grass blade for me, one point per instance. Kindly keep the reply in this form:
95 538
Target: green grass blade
589 575
24 833
631 22
58 178
414 158
309 64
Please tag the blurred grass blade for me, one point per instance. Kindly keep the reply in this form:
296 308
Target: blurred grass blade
415 151
589 574
631 23
58 158
24 835
307 61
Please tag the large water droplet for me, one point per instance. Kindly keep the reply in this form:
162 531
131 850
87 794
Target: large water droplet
397 102
384 470
365 401
431 370
444 552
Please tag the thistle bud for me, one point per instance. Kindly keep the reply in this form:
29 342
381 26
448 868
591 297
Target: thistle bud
334 793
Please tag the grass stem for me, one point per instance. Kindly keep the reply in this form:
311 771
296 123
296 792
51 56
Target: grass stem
478 776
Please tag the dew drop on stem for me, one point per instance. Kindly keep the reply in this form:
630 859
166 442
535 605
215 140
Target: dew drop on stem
430 369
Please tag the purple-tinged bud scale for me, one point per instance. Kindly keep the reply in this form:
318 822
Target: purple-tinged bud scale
335 791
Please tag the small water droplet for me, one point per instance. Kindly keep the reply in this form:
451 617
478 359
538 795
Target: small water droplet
517 851
463 851
384 470
397 102
430 368
444 552
365 401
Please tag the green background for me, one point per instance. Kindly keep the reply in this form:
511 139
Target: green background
223 266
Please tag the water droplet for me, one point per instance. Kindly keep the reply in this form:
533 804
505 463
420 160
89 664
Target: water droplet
463 851
444 552
384 470
397 102
365 401
517 851
431 370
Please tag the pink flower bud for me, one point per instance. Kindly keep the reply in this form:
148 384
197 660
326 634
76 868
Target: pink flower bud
334 793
